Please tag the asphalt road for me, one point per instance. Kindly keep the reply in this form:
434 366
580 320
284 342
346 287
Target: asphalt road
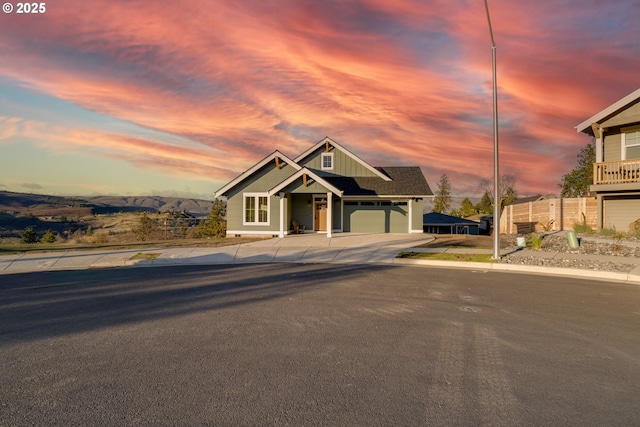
315 344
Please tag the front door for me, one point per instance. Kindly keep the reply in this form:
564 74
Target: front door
320 216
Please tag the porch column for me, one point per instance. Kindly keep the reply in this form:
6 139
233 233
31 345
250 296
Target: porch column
281 235
600 219
329 213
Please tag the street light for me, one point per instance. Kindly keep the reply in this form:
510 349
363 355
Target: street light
496 171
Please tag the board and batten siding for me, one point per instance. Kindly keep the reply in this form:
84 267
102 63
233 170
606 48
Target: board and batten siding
343 165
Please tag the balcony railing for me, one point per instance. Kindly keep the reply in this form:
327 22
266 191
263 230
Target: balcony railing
617 172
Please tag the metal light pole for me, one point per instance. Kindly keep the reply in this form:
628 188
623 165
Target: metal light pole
496 171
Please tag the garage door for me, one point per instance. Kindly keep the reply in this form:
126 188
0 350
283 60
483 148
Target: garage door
619 212
375 217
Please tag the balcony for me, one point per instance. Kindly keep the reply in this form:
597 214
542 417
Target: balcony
617 172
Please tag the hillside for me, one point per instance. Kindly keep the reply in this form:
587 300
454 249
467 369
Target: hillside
21 204
196 207
19 211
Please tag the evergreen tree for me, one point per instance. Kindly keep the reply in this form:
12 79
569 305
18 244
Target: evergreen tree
29 236
466 208
509 197
216 224
48 237
486 205
507 193
442 201
576 183
146 229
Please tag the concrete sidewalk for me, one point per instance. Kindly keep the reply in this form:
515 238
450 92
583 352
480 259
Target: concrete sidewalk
345 248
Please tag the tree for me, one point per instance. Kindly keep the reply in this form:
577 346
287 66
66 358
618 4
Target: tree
442 201
146 229
215 225
507 193
48 237
576 183
486 205
466 208
29 236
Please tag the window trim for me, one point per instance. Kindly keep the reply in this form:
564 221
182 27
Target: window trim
256 197
322 157
624 145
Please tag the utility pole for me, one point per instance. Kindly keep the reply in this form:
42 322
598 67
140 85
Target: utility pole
497 203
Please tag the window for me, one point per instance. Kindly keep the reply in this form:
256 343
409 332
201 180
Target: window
327 161
256 209
632 145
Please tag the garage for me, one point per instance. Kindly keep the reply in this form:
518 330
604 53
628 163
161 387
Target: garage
620 211
366 216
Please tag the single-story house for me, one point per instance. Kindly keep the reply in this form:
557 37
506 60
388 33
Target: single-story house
616 172
325 189
438 223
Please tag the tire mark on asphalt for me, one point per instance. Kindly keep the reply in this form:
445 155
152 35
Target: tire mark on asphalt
446 398
498 404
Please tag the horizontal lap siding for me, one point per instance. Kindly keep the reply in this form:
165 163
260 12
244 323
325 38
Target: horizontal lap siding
343 165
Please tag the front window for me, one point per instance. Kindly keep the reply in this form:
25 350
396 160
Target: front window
256 209
632 145
327 161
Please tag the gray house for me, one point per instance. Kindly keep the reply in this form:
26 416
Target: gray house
326 189
616 172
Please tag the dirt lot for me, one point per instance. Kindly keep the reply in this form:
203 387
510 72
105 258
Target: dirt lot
464 241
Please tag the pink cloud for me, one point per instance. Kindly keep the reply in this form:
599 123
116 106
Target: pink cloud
403 82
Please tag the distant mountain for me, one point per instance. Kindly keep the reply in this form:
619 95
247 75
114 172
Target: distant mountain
43 205
196 207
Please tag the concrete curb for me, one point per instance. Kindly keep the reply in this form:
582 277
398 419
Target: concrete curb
526 269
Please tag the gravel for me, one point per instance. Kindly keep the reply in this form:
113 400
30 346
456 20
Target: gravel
598 254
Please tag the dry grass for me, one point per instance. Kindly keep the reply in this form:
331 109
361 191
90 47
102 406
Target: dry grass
463 241
448 256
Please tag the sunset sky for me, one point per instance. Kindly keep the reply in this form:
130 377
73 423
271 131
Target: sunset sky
177 98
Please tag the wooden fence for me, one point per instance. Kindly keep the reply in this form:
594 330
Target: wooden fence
548 215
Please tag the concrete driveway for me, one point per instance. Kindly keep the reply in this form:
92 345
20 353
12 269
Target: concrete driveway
312 248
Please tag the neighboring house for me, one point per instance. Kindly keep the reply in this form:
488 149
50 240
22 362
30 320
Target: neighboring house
616 173
325 189
438 223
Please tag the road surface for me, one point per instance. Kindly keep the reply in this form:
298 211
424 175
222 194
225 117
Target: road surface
316 344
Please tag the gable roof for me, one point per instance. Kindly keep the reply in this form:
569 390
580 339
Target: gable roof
609 111
405 181
345 151
298 174
533 199
435 218
255 168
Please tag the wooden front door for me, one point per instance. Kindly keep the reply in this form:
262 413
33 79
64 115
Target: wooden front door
320 222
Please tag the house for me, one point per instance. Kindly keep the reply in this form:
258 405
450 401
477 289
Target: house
616 172
325 189
438 223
